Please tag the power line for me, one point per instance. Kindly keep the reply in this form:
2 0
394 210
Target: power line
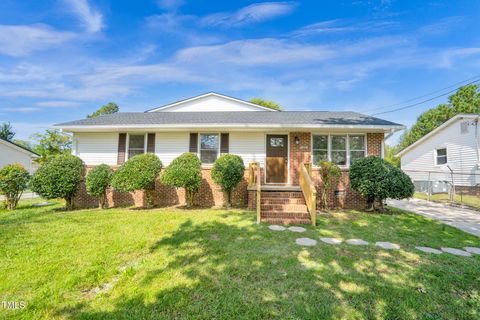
423 96
427 100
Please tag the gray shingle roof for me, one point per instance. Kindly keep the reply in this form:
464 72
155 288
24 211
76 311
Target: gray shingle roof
320 118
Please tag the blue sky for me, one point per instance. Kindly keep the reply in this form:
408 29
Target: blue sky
62 59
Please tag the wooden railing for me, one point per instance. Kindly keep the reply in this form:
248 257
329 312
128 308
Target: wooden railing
254 181
308 189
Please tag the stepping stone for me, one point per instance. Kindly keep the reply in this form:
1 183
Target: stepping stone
275 227
297 229
357 242
306 242
429 250
473 250
42 204
457 252
331 240
387 245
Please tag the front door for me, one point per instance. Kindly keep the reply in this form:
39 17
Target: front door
277 158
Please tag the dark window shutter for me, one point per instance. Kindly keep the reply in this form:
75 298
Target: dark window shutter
122 141
224 143
194 142
151 142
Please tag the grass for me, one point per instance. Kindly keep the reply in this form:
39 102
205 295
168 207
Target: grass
471 201
204 264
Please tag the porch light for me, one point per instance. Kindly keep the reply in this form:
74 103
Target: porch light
297 140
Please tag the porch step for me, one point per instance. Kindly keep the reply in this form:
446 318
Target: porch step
286 220
267 201
281 194
284 207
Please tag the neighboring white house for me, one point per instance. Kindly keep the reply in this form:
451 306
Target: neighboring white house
13 153
452 147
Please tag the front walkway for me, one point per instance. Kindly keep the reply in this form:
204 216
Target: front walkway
464 219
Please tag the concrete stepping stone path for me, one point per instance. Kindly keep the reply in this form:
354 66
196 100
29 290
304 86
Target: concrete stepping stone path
306 242
297 229
429 250
473 250
275 227
387 245
457 252
331 240
357 242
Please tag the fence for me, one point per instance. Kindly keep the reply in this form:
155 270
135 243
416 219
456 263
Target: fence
447 186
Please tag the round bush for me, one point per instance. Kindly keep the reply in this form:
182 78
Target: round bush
59 177
138 173
185 171
97 182
228 171
376 179
13 180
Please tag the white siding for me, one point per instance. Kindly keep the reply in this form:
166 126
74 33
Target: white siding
10 154
169 145
461 155
96 148
210 104
249 145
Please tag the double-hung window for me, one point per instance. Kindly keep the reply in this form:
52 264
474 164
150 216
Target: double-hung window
339 150
356 145
209 147
441 156
136 144
342 150
320 149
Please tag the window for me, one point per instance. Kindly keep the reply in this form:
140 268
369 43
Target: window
441 156
356 146
339 150
276 142
136 144
208 148
320 149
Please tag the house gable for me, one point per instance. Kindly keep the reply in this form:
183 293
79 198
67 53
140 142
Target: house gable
211 102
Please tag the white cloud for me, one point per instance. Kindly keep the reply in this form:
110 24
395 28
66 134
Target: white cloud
170 4
91 18
21 110
21 40
256 12
58 104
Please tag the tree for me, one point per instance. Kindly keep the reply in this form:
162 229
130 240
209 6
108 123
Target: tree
376 179
138 173
185 172
390 153
109 108
266 103
50 144
23 143
97 182
327 171
6 131
228 171
13 180
59 177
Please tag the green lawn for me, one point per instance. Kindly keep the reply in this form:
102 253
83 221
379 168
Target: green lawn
218 264
471 201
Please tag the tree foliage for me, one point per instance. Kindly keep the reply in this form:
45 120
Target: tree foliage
13 180
109 108
390 153
138 173
6 131
59 177
50 144
465 100
185 171
266 103
328 171
97 182
376 179
228 171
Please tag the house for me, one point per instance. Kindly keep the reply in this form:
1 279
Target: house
450 154
14 153
213 124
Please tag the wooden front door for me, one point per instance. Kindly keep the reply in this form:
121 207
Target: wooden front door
277 158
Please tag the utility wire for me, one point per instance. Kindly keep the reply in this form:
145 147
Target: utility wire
427 100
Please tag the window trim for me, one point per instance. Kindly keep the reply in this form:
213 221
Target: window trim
199 141
127 144
435 159
329 151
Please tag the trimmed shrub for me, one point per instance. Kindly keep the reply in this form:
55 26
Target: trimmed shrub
13 180
327 171
228 171
59 177
185 171
138 173
97 182
376 179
